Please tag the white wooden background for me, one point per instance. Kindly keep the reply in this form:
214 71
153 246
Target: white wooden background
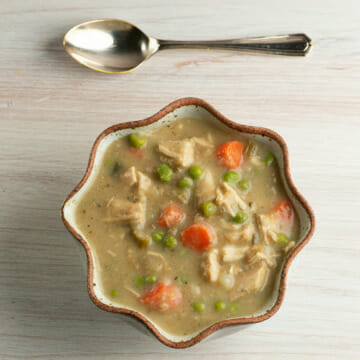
51 110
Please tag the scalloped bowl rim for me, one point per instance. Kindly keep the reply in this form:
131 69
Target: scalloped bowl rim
188 107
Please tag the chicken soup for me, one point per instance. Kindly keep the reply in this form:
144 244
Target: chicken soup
189 223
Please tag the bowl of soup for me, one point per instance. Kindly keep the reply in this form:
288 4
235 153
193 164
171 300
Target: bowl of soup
189 221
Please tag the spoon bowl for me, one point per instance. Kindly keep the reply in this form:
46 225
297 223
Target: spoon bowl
112 46
117 46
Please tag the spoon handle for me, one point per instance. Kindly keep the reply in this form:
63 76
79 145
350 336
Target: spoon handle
293 44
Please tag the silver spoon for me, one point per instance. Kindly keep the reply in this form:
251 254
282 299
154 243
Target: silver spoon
116 46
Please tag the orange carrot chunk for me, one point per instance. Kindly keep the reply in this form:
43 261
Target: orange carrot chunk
171 216
198 237
285 211
230 154
162 297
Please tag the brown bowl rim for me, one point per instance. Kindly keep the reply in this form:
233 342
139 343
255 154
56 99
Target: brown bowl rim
241 128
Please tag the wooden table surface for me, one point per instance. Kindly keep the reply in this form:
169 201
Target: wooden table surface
51 110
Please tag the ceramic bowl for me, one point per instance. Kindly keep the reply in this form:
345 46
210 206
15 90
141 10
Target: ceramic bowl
194 108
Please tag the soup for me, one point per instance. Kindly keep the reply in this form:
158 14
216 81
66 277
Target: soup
189 223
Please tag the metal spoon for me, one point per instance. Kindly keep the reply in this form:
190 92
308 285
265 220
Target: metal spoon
116 46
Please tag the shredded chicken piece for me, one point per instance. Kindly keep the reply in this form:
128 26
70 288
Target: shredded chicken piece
211 265
256 161
244 233
268 226
233 253
251 281
289 247
120 210
205 188
111 253
184 195
134 292
203 142
136 177
132 259
180 151
160 257
228 199
256 253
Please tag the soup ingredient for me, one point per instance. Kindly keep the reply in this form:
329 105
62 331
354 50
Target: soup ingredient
227 281
171 216
205 188
114 293
164 172
120 210
195 172
231 177
162 297
211 265
170 241
240 217
139 281
198 237
158 236
229 200
285 211
150 279
230 154
208 208
234 308
269 159
282 238
244 184
232 253
185 182
136 140
219 305
198 306
143 240
181 152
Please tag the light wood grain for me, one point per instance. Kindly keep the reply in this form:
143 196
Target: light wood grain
51 110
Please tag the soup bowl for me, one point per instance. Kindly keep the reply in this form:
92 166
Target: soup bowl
189 108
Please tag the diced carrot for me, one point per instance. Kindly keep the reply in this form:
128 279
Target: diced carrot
198 237
162 297
171 216
136 152
230 154
285 211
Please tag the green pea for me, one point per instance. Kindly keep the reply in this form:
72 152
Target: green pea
244 184
220 305
150 279
183 279
282 238
195 172
208 208
170 241
158 236
269 159
198 306
240 217
234 308
136 140
231 177
185 182
139 281
114 293
164 172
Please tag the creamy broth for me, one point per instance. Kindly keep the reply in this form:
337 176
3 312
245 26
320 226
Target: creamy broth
247 226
